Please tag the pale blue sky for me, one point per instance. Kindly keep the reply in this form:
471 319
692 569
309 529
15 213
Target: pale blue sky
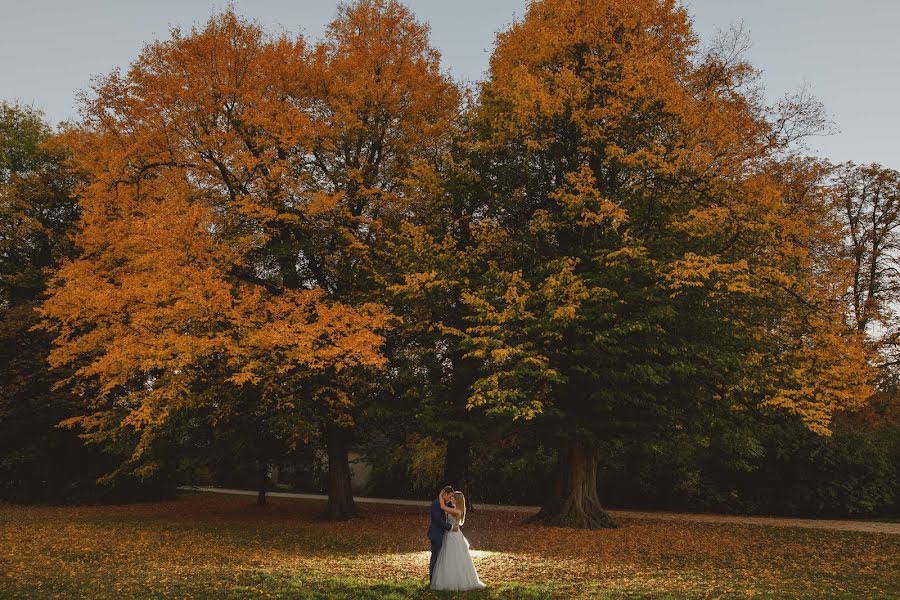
847 50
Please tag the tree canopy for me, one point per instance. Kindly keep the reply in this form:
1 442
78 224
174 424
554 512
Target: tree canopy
669 250
254 243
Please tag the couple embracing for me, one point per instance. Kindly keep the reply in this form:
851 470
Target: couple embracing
451 566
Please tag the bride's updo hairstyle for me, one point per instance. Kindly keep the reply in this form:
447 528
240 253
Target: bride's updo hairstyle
460 501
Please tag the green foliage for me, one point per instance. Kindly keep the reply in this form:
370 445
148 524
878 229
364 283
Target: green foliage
511 468
22 131
37 210
755 464
516 469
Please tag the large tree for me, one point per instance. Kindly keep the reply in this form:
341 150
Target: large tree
204 225
238 186
668 252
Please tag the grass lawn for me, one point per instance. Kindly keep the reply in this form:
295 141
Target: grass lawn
214 546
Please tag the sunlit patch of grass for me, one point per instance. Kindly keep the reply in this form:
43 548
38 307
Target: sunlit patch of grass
205 546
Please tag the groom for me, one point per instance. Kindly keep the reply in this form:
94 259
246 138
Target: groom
439 524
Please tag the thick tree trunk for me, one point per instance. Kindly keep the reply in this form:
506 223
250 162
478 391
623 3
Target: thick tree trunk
340 494
459 454
263 484
456 465
573 501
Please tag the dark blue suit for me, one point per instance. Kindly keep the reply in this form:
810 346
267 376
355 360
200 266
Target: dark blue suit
439 524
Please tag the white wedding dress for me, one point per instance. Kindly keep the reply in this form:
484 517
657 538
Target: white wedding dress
454 570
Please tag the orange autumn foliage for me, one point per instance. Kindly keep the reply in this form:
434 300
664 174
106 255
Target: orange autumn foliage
235 184
624 152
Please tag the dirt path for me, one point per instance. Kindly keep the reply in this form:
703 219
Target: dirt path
864 526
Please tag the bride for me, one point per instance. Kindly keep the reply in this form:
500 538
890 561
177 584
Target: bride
454 570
